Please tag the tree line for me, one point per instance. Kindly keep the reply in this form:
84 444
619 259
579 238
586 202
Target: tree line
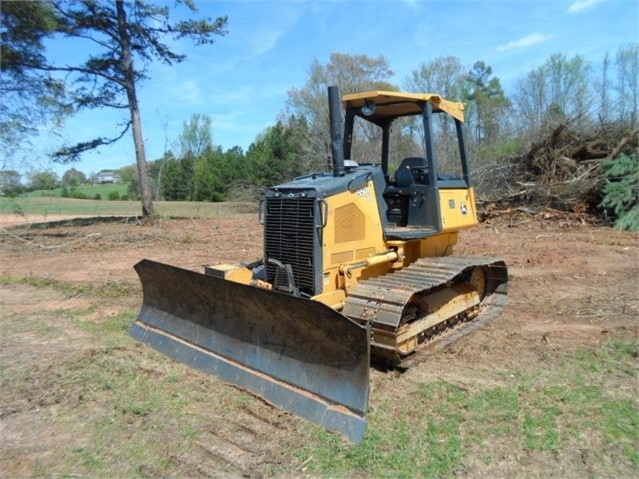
558 108
531 135
201 171
12 184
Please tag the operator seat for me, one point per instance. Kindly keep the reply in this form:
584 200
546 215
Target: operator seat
405 197
412 171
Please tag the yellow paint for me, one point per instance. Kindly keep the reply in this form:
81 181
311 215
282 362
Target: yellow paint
353 245
458 209
394 104
231 272
353 234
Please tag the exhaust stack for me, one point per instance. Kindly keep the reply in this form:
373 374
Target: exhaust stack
337 140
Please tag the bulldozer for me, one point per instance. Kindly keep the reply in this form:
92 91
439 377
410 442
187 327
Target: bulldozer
357 268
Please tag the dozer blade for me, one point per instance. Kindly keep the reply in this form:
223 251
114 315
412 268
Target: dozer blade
297 354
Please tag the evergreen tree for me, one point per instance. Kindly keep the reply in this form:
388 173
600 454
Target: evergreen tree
622 191
488 102
178 180
276 156
31 96
208 176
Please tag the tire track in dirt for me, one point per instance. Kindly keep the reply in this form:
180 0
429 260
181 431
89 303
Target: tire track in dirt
244 443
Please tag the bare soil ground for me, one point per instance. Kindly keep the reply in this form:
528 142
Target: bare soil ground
572 287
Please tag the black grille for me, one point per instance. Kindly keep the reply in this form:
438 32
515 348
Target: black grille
289 238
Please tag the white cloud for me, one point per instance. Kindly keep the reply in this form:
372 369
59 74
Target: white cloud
527 41
581 5
264 41
187 91
265 35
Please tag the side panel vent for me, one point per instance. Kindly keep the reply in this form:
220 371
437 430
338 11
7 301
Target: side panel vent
350 224
340 258
289 237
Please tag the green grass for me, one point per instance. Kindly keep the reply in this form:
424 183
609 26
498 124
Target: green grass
443 424
621 418
425 442
132 406
107 290
117 403
89 190
113 330
44 206
557 417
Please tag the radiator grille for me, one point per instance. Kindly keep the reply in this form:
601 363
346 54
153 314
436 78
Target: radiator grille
289 234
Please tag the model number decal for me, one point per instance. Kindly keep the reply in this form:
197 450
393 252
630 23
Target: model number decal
362 191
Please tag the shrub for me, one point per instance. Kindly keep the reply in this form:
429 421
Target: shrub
622 190
114 196
97 196
78 194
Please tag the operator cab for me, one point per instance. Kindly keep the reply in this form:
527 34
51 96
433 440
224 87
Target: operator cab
412 192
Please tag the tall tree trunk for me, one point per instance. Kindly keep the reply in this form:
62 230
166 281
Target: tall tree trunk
146 194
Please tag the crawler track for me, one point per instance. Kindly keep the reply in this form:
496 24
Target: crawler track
428 305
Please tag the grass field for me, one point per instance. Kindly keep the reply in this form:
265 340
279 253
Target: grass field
89 190
47 205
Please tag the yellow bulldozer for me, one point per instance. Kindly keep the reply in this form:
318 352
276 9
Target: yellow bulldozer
357 267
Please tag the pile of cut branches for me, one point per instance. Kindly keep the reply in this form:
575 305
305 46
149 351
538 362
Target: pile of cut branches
560 170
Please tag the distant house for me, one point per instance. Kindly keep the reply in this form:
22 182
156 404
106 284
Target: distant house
106 176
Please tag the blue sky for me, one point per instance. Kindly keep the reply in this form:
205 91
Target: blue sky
242 80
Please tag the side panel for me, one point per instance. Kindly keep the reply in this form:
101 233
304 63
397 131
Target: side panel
441 244
353 231
458 209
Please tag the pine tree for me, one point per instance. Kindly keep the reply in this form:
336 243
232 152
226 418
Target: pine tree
622 191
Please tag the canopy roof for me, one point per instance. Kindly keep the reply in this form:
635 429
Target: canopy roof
392 104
